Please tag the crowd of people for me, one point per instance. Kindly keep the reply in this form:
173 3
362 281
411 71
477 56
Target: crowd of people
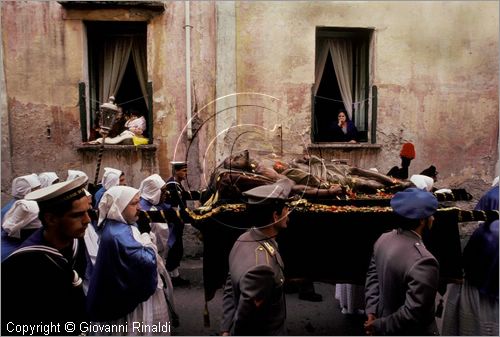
70 256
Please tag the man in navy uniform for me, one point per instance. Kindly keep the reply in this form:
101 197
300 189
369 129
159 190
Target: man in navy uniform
254 300
42 279
177 199
403 276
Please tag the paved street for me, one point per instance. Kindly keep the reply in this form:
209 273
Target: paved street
303 318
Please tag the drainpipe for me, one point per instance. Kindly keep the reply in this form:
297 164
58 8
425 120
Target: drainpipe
188 27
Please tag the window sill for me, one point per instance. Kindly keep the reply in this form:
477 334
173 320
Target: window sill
345 146
116 147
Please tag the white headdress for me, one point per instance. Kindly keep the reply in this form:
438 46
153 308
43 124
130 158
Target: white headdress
47 178
114 201
24 184
422 182
22 215
151 188
111 177
73 174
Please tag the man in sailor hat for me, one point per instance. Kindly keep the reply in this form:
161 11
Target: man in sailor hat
177 197
42 279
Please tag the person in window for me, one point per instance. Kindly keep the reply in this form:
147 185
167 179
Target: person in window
135 126
344 130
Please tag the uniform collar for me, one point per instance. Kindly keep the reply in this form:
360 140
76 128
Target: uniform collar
410 233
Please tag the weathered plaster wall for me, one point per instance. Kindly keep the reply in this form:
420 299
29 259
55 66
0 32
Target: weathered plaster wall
435 64
167 70
44 55
5 154
42 64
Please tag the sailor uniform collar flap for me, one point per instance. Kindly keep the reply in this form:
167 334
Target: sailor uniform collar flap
41 248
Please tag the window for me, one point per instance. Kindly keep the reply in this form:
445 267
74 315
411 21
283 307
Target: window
341 81
117 64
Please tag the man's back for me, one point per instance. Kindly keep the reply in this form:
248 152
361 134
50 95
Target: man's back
401 284
256 271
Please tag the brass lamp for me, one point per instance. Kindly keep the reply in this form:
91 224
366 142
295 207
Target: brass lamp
108 114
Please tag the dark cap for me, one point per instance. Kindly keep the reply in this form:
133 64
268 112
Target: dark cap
414 203
269 193
178 165
59 192
430 171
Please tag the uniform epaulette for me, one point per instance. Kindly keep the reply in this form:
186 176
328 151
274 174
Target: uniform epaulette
261 255
270 249
421 249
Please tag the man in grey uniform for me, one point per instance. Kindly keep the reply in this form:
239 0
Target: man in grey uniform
254 300
403 276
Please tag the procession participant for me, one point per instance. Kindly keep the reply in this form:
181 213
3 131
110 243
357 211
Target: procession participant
430 172
47 179
125 286
489 201
422 182
153 199
73 174
254 300
407 154
472 307
19 223
41 281
111 177
402 279
20 187
177 199
152 191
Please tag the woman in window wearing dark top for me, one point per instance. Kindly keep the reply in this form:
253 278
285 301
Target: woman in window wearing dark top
344 130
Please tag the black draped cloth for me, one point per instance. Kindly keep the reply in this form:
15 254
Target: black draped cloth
328 243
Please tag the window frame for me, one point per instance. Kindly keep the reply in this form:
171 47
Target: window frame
124 11
366 36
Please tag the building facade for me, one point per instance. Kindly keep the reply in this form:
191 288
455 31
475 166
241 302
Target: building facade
216 77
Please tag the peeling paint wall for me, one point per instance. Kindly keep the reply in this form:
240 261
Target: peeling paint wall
167 70
44 59
435 65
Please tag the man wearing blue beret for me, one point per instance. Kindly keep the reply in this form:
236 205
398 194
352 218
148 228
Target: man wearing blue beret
403 276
